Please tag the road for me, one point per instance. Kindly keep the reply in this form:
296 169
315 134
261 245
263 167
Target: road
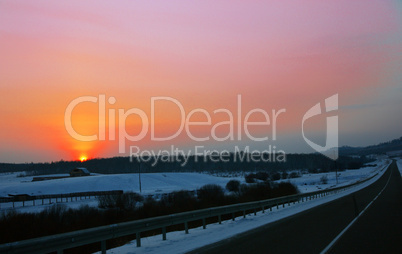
377 230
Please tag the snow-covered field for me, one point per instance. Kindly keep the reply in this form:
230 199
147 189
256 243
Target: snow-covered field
312 182
152 183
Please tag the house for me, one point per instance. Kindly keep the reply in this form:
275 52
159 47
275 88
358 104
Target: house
79 172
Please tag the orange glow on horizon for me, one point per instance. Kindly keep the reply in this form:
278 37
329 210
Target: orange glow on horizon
275 54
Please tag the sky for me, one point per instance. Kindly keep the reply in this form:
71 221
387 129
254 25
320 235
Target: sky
204 55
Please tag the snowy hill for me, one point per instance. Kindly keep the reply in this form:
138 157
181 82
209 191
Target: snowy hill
151 183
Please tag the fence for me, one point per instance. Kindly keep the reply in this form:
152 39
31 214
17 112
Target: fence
64 241
47 199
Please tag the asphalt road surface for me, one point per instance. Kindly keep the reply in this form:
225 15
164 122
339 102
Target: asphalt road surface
377 230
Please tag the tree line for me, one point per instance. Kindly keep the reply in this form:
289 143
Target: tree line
232 163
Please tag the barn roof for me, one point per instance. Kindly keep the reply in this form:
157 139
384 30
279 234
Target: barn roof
84 170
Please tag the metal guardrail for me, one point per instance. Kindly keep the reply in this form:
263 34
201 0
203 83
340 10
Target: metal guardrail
64 241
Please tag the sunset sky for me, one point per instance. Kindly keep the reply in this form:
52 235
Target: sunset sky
285 54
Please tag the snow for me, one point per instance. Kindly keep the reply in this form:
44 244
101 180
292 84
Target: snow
179 242
399 164
157 183
151 183
312 182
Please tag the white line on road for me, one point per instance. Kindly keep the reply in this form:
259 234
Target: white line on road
353 221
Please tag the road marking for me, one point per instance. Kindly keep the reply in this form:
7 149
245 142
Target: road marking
354 220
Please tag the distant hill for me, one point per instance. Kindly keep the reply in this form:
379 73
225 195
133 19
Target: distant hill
116 165
382 148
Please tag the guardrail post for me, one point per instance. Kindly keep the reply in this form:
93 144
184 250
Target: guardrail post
23 203
233 217
255 212
244 213
270 208
33 202
263 209
186 227
204 225
138 239
164 233
103 247
277 206
219 219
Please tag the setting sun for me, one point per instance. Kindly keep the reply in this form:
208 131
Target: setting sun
83 158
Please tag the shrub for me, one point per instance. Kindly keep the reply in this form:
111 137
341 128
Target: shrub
182 200
126 201
275 176
285 175
324 179
249 178
355 165
211 193
294 175
243 188
256 192
284 189
233 186
263 176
